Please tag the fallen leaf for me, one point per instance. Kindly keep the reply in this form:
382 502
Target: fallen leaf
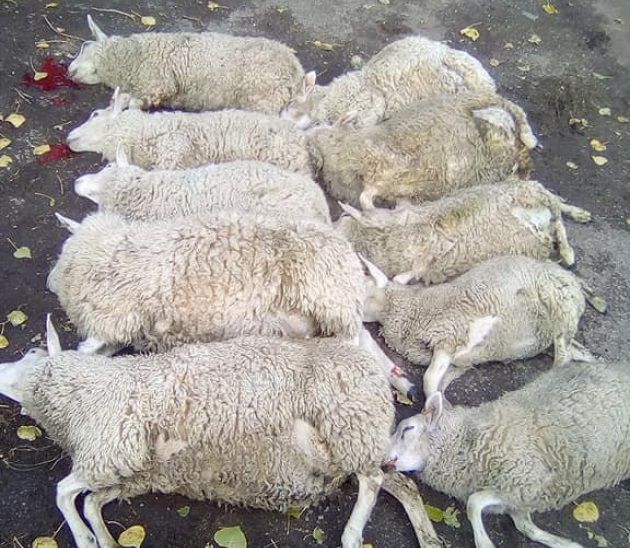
572 165
534 39
4 342
470 32
5 160
323 45
599 539
42 44
580 121
230 537
586 512
44 542
604 111
296 513
4 142
367 546
51 5
16 317
183 511
28 433
319 535
549 8
601 76
22 252
526 67
597 145
148 21
214 6
132 537
600 160
494 62
623 119
16 120
435 514
450 517
41 149
40 76
356 61
508 45
384 2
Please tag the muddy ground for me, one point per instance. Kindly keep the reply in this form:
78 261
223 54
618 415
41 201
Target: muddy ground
558 66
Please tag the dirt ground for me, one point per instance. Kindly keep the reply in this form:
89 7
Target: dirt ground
563 66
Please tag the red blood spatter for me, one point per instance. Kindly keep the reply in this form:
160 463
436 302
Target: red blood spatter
59 101
58 151
57 76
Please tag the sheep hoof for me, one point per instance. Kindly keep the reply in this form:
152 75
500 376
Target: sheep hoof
414 393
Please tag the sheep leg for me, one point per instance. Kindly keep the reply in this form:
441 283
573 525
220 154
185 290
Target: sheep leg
525 525
91 345
475 506
405 491
404 277
67 491
366 199
579 353
435 372
576 213
566 251
561 351
369 487
92 509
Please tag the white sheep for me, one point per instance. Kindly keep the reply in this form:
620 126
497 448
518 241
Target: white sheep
264 422
532 450
425 151
503 309
157 284
176 140
402 72
246 185
436 241
192 71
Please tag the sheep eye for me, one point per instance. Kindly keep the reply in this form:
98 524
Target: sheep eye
405 430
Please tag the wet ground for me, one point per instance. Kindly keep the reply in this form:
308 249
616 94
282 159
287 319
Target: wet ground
570 72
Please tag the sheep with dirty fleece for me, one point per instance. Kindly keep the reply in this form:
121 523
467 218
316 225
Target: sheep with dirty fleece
192 71
436 241
426 151
179 140
191 421
504 309
533 450
158 284
246 185
402 72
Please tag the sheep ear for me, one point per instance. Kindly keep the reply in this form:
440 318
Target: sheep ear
96 31
308 84
52 337
117 101
67 223
433 408
497 117
377 274
347 119
121 156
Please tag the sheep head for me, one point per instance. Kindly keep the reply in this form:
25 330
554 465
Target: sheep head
85 67
300 108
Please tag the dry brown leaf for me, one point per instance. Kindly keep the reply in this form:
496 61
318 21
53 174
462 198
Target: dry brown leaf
17 317
28 433
4 142
15 119
5 160
600 160
4 342
323 45
39 76
597 145
132 537
41 149
586 512
148 21
549 8
44 542
534 39
470 32
623 119
572 165
604 111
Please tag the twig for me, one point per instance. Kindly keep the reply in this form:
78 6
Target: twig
16 541
60 33
28 98
112 10
59 528
61 187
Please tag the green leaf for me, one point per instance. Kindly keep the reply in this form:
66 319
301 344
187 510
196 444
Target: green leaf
435 514
28 433
22 253
16 317
231 537
132 537
296 513
183 511
450 517
319 535
4 342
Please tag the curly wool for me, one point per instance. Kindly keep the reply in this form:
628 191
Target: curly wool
205 278
540 447
191 421
534 301
200 71
178 140
439 240
248 186
403 72
426 151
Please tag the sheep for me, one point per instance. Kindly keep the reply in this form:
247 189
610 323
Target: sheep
436 241
178 140
192 421
193 279
246 185
192 71
427 150
504 309
532 450
404 71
